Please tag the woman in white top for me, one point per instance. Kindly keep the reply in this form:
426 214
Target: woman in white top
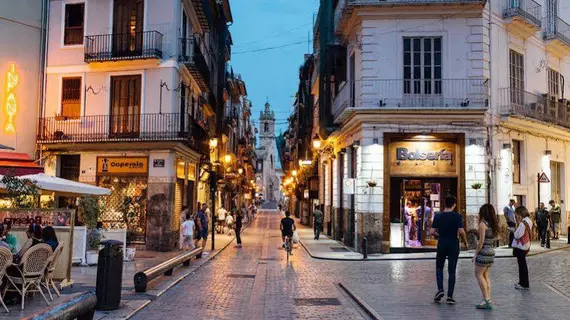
521 245
188 233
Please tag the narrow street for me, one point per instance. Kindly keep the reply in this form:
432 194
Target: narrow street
257 283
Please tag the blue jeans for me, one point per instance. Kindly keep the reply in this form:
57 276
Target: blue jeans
452 255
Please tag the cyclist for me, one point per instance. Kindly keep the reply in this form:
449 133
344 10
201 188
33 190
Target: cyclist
287 227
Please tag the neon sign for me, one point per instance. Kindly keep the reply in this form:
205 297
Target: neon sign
11 107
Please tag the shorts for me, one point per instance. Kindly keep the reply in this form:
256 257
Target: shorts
203 234
286 233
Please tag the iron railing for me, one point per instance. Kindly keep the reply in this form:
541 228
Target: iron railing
530 10
123 46
542 107
192 57
123 128
557 28
411 2
412 94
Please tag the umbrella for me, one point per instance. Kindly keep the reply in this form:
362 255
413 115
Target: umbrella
64 187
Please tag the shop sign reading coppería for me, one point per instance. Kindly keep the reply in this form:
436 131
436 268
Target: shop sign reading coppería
423 158
122 165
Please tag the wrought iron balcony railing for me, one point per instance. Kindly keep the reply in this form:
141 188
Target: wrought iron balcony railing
124 128
557 28
411 2
530 10
192 57
420 94
123 46
543 107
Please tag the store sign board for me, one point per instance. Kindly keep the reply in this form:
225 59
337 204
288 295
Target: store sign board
423 158
24 217
122 165
158 163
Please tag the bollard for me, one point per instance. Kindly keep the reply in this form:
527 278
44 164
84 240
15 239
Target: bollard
365 247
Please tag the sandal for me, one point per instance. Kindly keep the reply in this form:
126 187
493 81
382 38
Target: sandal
485 304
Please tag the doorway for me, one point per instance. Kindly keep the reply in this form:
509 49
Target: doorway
413 205
128 17
125 106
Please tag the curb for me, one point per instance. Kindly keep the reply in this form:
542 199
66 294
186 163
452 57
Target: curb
367 308
177 281
415 258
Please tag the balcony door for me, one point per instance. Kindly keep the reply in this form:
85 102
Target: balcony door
125 113
423 85
128 18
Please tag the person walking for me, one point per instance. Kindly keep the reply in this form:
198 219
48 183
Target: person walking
238 226
188 233
521 245
201 226
230 223
317 222
484 257
509 212
555 216
447 225
541 216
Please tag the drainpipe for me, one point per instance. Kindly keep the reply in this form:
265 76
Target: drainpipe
42 79
490 180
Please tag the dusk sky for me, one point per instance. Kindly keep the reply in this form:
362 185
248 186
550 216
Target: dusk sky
273 73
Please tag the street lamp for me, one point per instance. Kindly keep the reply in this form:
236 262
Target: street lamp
317 142
213 187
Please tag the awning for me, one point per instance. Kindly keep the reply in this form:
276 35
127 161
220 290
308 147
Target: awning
64 187
18 163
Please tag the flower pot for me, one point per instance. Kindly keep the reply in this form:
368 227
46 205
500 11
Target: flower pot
130 254
92 257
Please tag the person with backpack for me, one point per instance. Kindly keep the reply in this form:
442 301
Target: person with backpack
521 245
317 221
542 216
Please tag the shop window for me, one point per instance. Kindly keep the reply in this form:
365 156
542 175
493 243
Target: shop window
517 146
516 66
422 65
74 23
71 98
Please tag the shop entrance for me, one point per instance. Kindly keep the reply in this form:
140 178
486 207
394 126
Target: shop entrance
413 204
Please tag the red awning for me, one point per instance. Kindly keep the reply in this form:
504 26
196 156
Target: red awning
18 163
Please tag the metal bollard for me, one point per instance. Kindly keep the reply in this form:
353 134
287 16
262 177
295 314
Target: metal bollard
365 247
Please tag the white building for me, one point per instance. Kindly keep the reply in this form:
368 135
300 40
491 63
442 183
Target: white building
267 158
441 96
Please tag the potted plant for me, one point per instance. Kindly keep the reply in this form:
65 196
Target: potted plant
476 185
89 210
94 238
372 183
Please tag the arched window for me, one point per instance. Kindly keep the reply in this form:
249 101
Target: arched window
266 127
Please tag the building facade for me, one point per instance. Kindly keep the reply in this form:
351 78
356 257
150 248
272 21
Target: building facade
22 30
462 98
132 101
267 157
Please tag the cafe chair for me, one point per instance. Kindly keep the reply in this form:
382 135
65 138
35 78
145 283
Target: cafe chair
28 275
5 261
47 281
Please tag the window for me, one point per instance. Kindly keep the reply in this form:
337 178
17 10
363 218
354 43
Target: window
71 98
556 180
517 161
266 127
422 65
553 83
516 65
74 18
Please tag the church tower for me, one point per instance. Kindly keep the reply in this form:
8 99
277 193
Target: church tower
267 155
267 134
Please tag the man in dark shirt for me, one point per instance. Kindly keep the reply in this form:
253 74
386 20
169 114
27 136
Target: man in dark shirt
447 225
287 227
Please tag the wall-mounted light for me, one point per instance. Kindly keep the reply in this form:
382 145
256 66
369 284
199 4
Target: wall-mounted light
228 158
356 144
213 143
548 152
375 141
317 142
240 170
294 173
343 151
506 145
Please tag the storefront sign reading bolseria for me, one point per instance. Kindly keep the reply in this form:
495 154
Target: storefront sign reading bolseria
402 154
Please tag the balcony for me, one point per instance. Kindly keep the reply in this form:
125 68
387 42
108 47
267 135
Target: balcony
124 128
542 107
557 36
193 59
523 17
202 10
126 46
420 94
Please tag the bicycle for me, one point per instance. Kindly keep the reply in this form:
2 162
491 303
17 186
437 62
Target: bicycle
288 246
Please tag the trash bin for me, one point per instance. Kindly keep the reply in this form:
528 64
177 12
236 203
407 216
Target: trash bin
109 275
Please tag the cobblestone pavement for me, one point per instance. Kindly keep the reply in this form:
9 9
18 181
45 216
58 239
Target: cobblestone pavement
256 282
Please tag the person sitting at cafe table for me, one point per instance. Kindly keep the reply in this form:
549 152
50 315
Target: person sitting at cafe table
2 242
49 237
9 238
